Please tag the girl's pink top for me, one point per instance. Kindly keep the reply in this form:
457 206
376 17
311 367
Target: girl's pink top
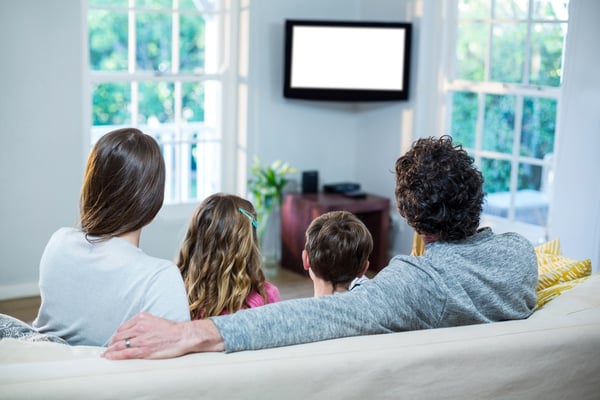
255 300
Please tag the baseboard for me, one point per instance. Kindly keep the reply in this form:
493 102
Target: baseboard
8 292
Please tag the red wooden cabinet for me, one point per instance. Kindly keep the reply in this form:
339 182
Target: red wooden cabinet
299 210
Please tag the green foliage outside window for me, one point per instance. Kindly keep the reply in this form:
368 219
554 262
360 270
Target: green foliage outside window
107 40
495 51
538 127
148 65
111 104
109 52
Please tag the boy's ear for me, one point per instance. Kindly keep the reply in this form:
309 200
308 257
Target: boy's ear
364 270
305 262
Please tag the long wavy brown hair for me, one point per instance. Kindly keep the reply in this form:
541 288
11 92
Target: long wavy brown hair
220 259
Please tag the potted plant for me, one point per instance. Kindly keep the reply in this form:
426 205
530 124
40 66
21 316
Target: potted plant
266 186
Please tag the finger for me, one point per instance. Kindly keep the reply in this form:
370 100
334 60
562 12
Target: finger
122 336
131 323
119 344
118 351
128 329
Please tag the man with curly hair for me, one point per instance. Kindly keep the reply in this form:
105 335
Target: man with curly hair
466 276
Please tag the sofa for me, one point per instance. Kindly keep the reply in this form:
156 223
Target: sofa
554 354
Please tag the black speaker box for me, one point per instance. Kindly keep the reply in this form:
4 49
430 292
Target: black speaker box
310 181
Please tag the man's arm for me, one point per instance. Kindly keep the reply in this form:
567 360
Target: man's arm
147 336
397 299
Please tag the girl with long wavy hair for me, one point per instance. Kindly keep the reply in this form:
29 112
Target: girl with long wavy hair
220 259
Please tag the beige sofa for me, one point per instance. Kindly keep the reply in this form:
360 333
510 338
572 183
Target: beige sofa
555 354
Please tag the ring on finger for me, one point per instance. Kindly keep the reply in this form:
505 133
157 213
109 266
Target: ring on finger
128 342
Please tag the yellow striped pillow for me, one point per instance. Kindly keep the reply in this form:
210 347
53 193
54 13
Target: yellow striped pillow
567 271
545 295
557 273
551 262
551 247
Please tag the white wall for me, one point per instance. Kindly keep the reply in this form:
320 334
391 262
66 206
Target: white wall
41 131
344 142
387 129
307 134
575 209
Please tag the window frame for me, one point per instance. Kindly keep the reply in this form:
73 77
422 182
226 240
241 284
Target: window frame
225 125
486 87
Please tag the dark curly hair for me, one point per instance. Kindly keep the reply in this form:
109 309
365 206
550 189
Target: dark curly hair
439 190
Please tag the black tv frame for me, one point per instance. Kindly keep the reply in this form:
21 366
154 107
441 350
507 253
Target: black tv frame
337 94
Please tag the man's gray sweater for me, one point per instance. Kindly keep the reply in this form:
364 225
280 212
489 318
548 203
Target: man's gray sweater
483 278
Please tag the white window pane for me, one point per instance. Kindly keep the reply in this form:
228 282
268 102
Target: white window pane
551 9
108 38
508 52
111 104
474 8
464 107
547 54
538 127
153 41
155 4
199 5
471 51
192 43
511 9
507 127
499 120
208 168
156 103
212 103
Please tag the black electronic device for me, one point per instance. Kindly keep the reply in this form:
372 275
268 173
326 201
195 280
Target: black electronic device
341 187
310 182
347 60
356 194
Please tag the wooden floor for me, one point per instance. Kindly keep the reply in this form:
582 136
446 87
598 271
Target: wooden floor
24 308
290 284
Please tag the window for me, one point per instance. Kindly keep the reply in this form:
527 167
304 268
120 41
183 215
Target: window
164 66
503 88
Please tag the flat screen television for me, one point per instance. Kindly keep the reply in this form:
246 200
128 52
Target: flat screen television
347 60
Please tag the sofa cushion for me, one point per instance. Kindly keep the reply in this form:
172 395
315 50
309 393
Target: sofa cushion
551 355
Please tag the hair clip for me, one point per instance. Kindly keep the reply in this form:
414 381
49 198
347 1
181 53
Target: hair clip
250 216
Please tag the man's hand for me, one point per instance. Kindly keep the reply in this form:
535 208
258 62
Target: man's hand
147 336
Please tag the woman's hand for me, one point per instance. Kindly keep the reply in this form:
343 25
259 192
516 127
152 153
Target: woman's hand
147 336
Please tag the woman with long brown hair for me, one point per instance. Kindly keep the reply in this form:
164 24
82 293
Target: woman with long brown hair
95 277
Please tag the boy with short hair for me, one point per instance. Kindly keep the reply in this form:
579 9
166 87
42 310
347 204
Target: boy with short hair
337 250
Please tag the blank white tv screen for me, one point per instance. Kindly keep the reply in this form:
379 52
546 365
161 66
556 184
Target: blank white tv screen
348 57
